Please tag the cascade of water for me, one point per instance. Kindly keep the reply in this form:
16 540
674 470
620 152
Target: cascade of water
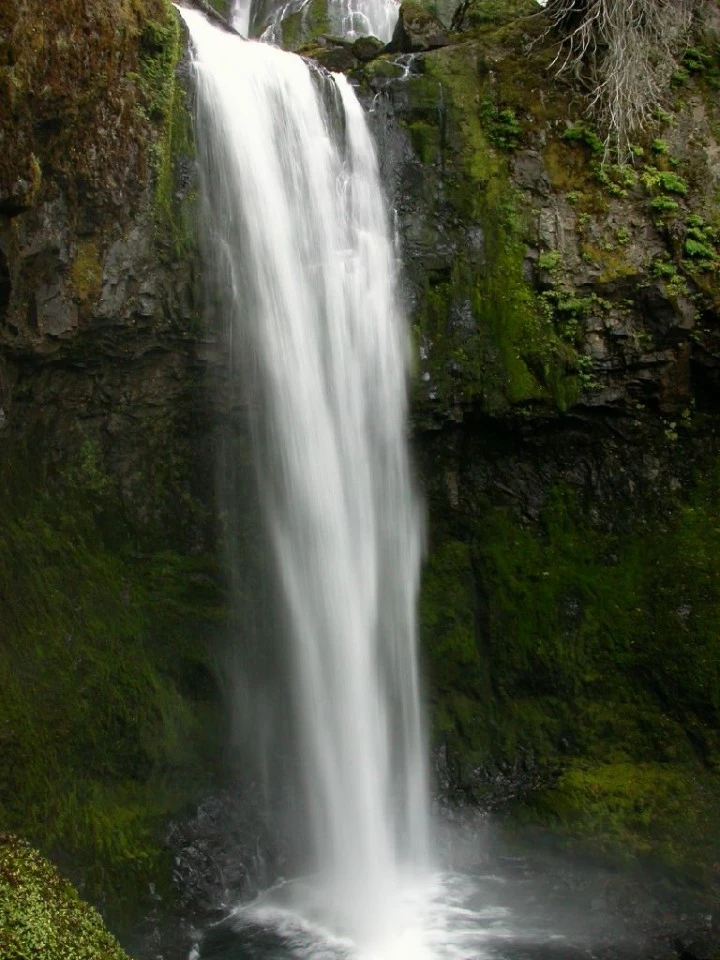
350 18
240 16
297 222
376 18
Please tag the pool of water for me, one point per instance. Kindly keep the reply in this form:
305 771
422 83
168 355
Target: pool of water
510 912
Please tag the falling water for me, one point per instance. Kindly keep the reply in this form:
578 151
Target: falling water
350 18
298 226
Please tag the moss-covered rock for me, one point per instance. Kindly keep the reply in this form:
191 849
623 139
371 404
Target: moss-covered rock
417 30
41 914
485 338
304 25
74 112
539 276
109 581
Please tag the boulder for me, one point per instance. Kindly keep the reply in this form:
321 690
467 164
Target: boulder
367 48
417 31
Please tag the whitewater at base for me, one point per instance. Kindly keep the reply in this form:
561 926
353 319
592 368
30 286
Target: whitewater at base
514 908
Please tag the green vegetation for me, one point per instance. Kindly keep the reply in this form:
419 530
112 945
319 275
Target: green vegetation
663 204
481 15
592 653
616 178
165 106
502 125
702 245
305 25
580 133
41 915
505 350
663 181
111 641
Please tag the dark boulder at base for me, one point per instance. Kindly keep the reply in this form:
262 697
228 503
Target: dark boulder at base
417 31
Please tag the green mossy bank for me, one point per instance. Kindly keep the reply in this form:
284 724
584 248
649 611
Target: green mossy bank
580 669
41 914
109 707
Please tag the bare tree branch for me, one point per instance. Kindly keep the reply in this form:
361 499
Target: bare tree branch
630 47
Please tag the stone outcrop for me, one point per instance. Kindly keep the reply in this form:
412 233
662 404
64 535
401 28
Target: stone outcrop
417 30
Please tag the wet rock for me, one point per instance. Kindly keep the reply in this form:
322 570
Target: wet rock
336 59
698 949
417 30
529 172
56 315
367 48
228 850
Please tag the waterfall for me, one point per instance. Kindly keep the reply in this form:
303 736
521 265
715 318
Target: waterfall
298 232
350 18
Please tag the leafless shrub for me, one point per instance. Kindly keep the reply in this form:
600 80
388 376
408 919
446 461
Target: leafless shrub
630 48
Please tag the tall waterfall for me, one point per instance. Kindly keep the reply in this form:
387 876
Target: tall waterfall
297 225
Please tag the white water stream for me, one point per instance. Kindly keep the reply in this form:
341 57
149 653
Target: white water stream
349 18
298 225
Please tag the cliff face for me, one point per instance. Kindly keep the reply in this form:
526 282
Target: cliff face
107 579
565 321
564 316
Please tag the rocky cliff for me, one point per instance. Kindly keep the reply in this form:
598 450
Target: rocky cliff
108 582
565 318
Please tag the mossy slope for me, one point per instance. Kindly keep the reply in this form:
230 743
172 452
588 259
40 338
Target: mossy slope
41 914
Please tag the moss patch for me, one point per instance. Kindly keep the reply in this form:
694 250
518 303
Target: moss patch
86 271
638 810
487 336
567 648
41 914
106 673
305 25
66 75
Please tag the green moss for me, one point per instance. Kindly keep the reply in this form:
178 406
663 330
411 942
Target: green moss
425 139
223 7
579 133
491 14
86 271
593 653
305 25
41 914
113 644
68 80
663 811
164 97
487 336
164 105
